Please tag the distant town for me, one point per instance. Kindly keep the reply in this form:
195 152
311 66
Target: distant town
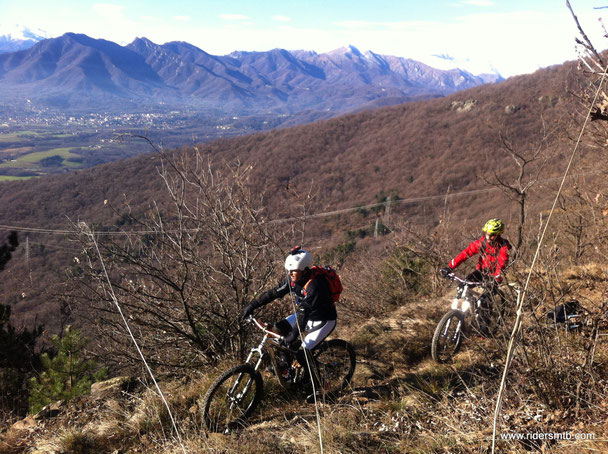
38 141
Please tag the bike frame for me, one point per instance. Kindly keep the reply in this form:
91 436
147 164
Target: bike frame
468 297
467 301
260 351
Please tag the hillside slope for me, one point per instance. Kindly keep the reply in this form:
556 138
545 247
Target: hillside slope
418 151
399 401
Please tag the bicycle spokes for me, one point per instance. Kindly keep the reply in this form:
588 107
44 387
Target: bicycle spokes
447 336
232 398
335 364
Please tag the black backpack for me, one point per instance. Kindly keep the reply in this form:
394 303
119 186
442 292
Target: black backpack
564 312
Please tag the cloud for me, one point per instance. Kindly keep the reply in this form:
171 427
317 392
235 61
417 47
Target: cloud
478 2
280 18
181 18
369 25
234 17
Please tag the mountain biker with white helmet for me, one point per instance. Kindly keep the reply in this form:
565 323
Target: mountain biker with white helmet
316 314
493 252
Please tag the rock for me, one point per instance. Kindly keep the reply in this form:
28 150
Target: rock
28 423
50 411
463 106
112 387
511 109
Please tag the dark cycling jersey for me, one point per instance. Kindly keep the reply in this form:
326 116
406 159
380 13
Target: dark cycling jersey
314 303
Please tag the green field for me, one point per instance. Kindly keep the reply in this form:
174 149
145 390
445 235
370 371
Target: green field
25 135
18 135
34 158
9 178
29 133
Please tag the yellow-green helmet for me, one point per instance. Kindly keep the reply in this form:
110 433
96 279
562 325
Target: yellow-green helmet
494 227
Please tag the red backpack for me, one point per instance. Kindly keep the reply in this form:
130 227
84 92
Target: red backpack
332 278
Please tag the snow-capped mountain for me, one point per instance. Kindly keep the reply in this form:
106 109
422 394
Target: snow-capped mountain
483 69
79 72
18 37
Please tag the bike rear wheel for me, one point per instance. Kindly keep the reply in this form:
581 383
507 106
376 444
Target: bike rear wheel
335 362
232 398
448 336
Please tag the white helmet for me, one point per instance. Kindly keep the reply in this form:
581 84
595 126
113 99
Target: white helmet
298 259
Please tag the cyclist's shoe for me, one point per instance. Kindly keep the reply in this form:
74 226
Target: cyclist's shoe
484 332
283 368
283 363
306 385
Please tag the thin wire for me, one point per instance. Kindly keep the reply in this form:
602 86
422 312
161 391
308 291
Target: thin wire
89 233
518 320
289 219
308 364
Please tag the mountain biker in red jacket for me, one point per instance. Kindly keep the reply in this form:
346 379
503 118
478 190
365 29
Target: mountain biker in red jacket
493 252
493 258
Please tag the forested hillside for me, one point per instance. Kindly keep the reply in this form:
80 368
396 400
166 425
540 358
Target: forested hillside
419 151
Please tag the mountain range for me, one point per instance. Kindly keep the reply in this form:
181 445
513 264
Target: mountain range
77 73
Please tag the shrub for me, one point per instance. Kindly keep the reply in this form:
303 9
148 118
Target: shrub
66 375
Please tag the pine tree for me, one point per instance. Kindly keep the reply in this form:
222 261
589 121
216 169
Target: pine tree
65 375
18 357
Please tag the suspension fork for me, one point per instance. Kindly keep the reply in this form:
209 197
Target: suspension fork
458 328
259 350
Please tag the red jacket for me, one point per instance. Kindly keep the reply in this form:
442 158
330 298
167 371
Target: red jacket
493 258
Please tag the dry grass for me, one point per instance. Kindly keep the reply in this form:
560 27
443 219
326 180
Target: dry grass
400 400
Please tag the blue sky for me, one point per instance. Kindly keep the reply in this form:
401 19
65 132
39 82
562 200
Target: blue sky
509 36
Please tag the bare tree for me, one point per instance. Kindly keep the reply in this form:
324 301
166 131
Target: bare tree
590 88
182 271
517 180
584 228
584 208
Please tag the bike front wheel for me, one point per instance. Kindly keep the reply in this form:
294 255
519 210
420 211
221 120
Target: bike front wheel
448 336
232 398
335 362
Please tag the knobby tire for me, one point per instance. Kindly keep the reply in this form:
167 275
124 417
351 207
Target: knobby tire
335 362
448 336
224 408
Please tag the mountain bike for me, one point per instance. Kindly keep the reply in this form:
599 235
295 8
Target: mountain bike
235 394
453 326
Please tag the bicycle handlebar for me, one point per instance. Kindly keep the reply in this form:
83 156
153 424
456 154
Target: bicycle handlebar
454 277
252 319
